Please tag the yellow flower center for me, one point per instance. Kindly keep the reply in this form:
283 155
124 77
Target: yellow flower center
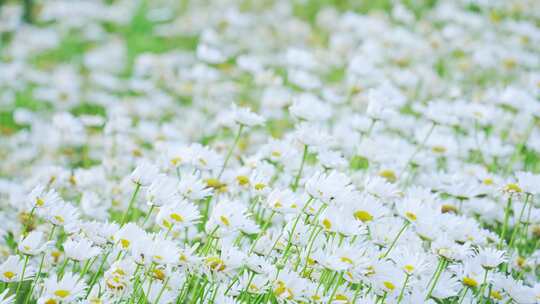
159 274
56 255
408 268
50 301
411 216
438 149
215 263
166 223
520 261
176 161
495 295
62 293
253 287
389 285
470 282
259 186
363 216
40 202
59 219
214 183
389 175
512 188
9 275
177 217
327 224
242 180
125 243
225 220
281 289
448 209
346 260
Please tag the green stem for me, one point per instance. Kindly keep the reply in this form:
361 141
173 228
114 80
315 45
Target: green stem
289 242
505 223
403 288
312 237
22 274
395 240
525 232
130 205
520 146
419 147
231 149
436 276
246 290
96 275
338 283
297 178
483 286
439 265
463 296
40 268
135 284
62 268
263 230
518 223
148 215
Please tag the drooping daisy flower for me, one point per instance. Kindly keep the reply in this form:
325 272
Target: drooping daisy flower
12 269
33 243
67 289
80 249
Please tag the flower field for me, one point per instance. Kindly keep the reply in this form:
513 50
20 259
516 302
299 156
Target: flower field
269 151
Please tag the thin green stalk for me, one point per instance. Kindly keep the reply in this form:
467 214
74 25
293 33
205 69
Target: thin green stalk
231 149
291 234
148 215
463 296
22 274
299 174
62 268
263 230
480 294
338 283
246 290
395 240
96 275
130 205
520 146
439 265
311 241
356 294
525 232
443 262
40 268
505 223
518 223
400 297
419 147
135 284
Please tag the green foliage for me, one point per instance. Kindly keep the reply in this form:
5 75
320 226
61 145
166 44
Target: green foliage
358 163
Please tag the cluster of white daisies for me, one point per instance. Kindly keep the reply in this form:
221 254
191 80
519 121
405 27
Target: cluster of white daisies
270 152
